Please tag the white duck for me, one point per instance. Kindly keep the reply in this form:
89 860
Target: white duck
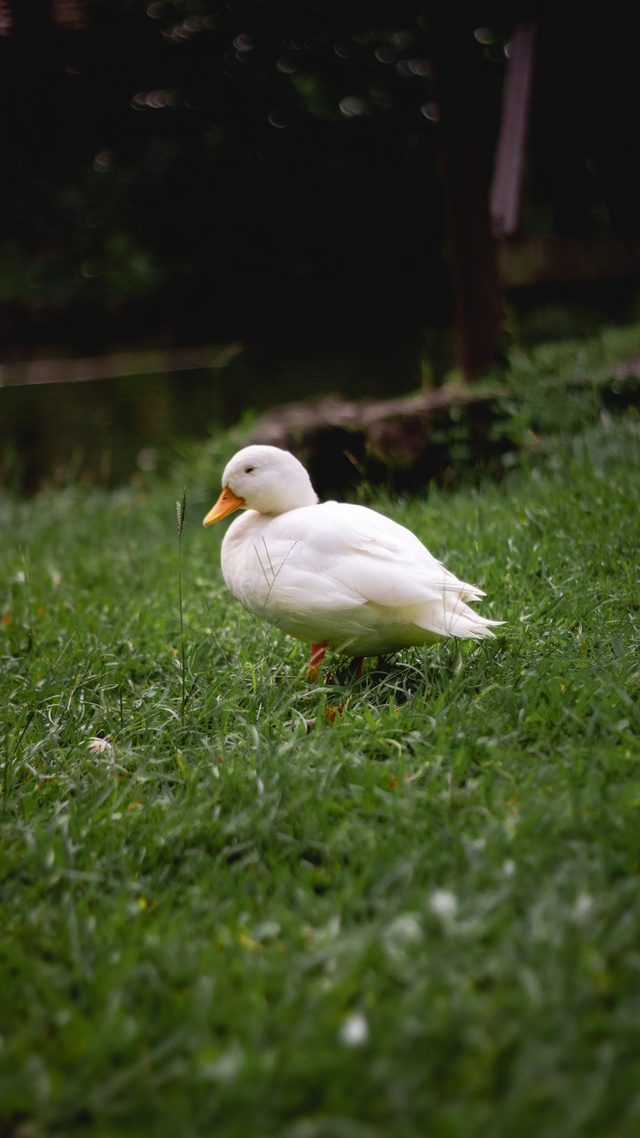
338 576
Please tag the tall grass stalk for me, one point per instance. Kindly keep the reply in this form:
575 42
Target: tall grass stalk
181 510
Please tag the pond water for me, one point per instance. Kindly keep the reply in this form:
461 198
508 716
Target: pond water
104 430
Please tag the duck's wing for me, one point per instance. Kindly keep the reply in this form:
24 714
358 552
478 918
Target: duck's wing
363 556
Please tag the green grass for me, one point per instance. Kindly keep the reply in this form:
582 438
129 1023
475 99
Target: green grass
243 918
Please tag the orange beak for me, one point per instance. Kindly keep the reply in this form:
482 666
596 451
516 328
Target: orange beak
226 504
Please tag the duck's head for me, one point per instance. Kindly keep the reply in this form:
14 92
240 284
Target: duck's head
265 479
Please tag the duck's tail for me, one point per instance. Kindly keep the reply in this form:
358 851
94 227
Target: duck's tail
460 620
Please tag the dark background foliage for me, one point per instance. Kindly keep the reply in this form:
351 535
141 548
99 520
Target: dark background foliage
197 169
218 169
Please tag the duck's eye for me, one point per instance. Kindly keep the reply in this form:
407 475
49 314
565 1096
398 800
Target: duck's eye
249 469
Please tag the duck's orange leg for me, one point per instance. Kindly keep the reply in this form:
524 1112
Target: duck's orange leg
317 656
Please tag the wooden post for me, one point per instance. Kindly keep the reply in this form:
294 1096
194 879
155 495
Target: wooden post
506 189
465 165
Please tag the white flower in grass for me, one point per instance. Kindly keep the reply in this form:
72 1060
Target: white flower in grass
354 1030
443 903
97 745
400 935
225 1067
583 908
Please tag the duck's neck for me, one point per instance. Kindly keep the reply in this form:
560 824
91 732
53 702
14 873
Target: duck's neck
290 494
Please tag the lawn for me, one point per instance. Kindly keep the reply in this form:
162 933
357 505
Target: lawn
243 913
